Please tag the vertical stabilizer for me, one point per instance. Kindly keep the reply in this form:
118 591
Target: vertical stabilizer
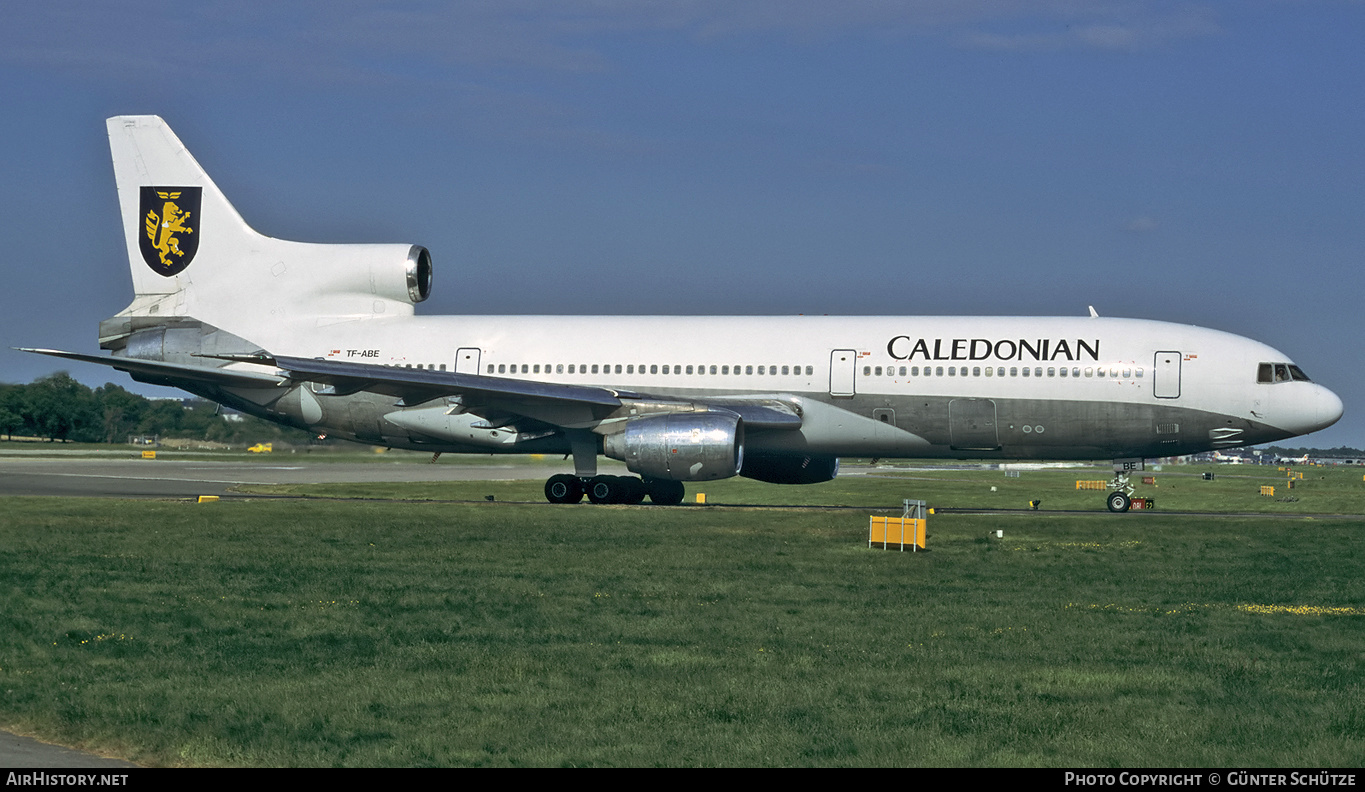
173 214
193 257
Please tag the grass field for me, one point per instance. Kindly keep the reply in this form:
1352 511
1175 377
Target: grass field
1176 488
370 633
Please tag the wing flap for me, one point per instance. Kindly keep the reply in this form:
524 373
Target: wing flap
500 399
415 386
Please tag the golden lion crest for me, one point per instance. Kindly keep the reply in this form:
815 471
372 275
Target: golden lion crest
169 242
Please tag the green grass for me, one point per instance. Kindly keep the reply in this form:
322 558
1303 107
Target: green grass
1177 488
328 633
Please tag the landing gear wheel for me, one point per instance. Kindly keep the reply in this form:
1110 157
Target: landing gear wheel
665 492
632 490
1119 502
564 489
606 489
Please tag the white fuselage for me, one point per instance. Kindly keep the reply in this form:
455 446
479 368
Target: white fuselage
1048 387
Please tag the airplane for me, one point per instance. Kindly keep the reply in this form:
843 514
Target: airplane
325 337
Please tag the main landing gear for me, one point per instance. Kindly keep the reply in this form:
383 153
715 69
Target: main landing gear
569 488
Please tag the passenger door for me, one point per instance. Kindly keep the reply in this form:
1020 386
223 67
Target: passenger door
843 368
1166 375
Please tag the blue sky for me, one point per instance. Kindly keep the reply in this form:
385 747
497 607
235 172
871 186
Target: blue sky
1191 162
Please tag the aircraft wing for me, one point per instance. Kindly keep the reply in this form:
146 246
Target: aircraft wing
496 398
157 372
499 400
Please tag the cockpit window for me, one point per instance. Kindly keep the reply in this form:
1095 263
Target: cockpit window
1280 372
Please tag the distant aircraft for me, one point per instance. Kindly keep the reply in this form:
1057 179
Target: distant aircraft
324 337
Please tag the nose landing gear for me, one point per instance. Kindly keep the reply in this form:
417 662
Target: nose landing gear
1122 496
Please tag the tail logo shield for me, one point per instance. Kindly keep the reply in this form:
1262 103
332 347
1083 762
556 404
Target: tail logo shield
171 221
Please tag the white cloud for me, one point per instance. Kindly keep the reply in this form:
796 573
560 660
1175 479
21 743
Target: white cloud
1141 224
339 40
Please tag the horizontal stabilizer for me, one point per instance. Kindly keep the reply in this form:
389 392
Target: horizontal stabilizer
144 369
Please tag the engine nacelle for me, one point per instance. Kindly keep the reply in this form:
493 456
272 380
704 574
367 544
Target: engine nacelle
790 469
680 446
417 273
401 273
407 278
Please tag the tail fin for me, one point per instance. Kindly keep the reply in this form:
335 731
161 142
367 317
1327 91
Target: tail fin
165 198
192 256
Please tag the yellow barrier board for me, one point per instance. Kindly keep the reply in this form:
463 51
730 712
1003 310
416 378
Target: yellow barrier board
896 532
1268 491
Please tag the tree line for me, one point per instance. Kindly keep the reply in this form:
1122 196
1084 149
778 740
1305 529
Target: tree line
59 408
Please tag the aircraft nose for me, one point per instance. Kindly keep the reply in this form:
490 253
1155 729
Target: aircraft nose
1329 408
1309 410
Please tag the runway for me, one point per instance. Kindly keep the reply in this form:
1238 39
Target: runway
128 477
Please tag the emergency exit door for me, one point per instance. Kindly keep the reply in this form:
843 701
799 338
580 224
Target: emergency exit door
467 360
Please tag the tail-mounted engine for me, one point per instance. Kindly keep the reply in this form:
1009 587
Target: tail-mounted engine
417 273
396 272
